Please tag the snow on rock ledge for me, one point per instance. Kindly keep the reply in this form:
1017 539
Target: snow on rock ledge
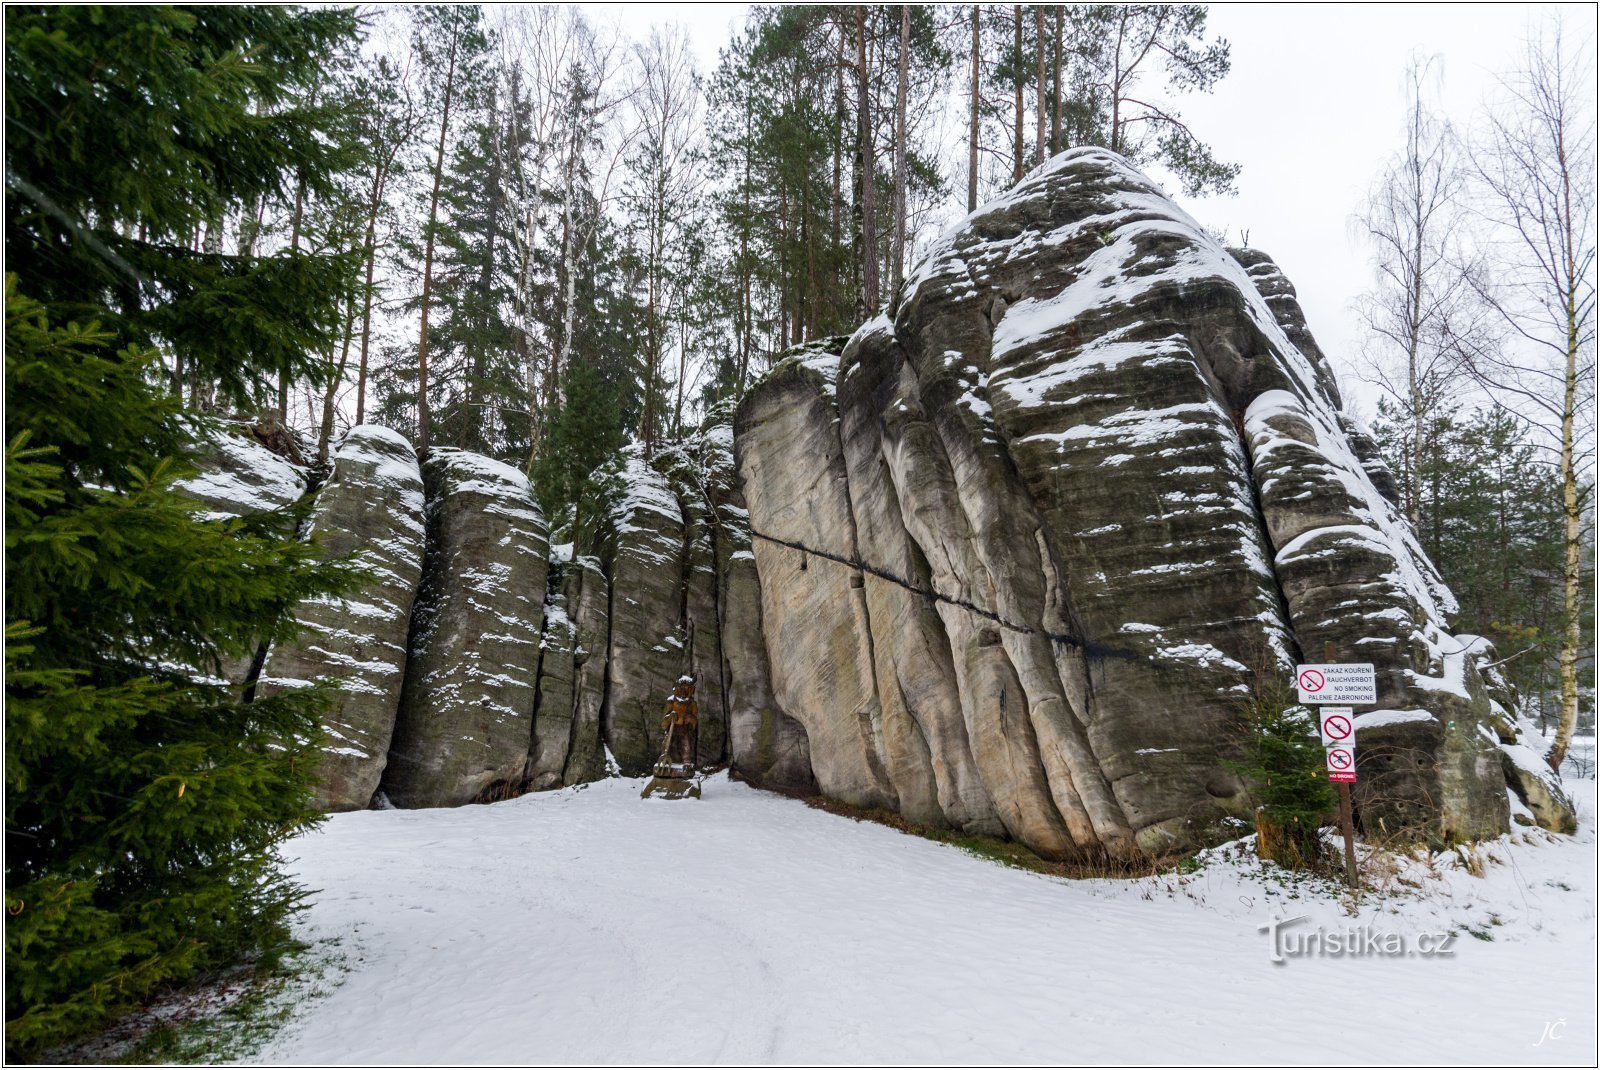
370 508
466 716
1111 451
239 477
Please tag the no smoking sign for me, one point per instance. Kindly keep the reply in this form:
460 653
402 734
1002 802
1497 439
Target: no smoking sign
1337 685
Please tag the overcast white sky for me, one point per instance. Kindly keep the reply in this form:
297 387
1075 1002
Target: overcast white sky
1313 107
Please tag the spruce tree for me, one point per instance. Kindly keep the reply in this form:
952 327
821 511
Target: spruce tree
145 800
1489 516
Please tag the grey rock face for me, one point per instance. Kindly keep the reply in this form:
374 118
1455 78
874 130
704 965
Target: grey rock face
648 643
1359 587
813 608
692 467
466 718
589 594
237 476
1010 560
1088 481
240 477
371 508
765 746
552 719
1538 788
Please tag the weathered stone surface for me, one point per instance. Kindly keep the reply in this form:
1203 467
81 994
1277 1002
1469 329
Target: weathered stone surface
238 476
589 594
553 708
1048 532
371 508
691 466
1010 560
1359 588
648 649
812 607
466 718
1539 789
566 728
764 745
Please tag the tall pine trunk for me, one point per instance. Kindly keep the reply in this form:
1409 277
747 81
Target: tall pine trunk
1038 89
427 257
972 125
866 170
294 246
325 430
897 254
1055 88
379 181
746 314
1017 146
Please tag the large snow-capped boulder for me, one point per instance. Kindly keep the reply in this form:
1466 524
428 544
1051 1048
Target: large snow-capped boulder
466 718
370 509
648 647
237 476
1028 546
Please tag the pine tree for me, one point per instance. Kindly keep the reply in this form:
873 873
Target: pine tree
145 803
478 382
453 47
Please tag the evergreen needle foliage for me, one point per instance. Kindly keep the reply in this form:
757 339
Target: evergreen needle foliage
145 797
1283 761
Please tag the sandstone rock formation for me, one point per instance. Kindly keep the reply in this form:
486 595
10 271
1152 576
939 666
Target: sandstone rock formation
1026 550
1009 560
237 476
466 716
370 508
240 477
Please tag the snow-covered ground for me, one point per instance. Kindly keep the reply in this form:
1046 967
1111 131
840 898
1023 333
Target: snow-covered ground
587 925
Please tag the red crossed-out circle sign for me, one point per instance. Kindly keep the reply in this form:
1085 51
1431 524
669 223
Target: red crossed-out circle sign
1337 727
1340 760
1311 680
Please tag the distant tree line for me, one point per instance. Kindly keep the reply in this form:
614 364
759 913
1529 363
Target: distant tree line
568 239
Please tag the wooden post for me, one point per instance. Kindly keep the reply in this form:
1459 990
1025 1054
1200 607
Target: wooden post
1347 822
1347 810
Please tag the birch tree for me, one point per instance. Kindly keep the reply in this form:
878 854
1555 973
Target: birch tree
1535 175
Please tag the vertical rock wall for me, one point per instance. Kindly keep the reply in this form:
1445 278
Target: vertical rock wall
370 508
466 716
1062 509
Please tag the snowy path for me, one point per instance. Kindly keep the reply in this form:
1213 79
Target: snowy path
587 925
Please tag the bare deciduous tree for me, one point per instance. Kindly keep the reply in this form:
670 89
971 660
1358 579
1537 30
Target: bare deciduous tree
1535 178
1421 308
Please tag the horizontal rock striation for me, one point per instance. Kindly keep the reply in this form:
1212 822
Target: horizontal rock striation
1028 543
1011 560
370 509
